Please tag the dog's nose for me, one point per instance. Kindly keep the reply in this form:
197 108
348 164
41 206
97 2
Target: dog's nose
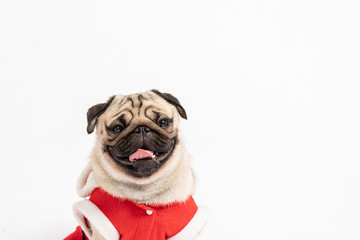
142 130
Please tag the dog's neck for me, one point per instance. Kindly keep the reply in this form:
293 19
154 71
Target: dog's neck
174 183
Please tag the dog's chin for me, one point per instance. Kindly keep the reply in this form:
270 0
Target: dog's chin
142 167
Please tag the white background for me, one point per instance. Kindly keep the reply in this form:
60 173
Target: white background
271 89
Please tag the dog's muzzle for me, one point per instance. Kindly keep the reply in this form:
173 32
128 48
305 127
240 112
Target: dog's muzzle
149 151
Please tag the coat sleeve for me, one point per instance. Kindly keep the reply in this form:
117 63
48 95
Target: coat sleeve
88 214
193 229
77 235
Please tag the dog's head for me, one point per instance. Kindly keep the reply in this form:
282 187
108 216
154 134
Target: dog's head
137 133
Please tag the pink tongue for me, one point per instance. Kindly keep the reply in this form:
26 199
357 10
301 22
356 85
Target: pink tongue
140 154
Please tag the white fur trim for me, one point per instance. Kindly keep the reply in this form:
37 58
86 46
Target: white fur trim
86 182
195 226
97 219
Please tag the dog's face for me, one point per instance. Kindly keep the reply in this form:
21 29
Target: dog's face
137 133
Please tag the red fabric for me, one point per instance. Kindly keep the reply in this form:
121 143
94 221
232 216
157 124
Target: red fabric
77 235
132 220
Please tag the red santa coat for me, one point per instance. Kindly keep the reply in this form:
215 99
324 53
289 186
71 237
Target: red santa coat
116 218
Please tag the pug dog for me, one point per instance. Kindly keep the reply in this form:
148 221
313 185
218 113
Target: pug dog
138 167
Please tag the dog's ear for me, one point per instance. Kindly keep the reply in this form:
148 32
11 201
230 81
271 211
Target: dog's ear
94 112
172 100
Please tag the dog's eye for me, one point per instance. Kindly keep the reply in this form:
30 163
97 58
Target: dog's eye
164 123
117 128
